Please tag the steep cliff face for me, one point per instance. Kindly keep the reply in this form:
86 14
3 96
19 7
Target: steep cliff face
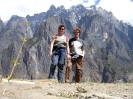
2 28
130 33
11 33
14 31
108 44
109 47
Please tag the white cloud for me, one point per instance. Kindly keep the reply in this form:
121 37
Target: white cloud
122 9
25 7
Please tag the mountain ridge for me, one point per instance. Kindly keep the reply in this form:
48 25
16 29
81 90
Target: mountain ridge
108 43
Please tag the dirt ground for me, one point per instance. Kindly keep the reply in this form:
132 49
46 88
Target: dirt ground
51 89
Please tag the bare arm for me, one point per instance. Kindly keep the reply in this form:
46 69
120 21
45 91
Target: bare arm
83 53
67 48
68 51
51 47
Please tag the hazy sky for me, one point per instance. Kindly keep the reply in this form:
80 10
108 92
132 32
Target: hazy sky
122 9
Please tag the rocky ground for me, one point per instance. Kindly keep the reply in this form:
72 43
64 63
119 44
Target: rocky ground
51 89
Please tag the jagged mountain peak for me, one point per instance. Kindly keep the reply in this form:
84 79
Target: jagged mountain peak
79 6
14 17
2 27
62 7
1 22
52 7
93 6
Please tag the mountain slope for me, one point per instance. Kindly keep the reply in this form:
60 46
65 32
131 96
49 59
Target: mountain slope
108 44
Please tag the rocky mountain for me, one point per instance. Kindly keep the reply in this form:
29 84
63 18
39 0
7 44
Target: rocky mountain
108 43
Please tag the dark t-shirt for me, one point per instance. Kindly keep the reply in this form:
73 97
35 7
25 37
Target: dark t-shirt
76 46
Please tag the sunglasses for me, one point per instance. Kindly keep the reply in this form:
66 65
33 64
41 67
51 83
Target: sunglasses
76 32
61 29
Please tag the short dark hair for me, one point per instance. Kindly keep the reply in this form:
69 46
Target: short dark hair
62 25
77 29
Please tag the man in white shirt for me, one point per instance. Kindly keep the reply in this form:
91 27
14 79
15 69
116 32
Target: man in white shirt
77 52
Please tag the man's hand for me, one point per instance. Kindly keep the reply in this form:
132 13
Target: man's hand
68 56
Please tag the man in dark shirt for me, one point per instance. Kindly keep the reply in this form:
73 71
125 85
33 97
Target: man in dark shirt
77 52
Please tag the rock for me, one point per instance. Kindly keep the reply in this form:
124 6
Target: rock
97 96
105 96
80 89
0 78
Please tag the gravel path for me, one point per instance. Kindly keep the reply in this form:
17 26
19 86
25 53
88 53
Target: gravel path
51 89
